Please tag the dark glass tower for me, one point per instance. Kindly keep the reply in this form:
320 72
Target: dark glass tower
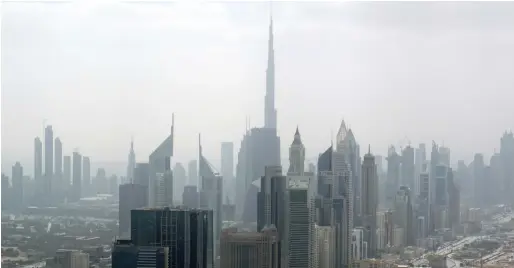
187 233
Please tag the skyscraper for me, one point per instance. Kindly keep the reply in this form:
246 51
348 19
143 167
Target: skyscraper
369 202
179 179
507 156
296 155
342 202
142 174
479 179
164 186
347 145
211 194
271 203
159 163
300 216
260 147
227 168
49 163
17 186
132 196
326 190
58 185
76 192
38 163
66 175
192 172
403 215
270 113
420 158
86 176
453 201
393 176
131 163
186 232
407 167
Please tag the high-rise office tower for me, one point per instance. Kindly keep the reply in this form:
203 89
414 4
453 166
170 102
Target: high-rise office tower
435 160
326 189
440 205
300 216
179 179
38 163
76 192
479 179
249 249
86 176
227 169
66 175
407 167
369 202
190 196
393 175
58 185
164 186
131 163
159 163
271 202
132 196
403 215
17 186
347 145
423 201
495 180
49 163
142 174
192 173
420 159
507 156
453 201
211 194
296 155
342 202
187 233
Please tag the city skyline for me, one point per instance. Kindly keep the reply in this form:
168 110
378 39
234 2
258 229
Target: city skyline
147 115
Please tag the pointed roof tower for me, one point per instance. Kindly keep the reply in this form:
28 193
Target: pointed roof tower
297 138
342 132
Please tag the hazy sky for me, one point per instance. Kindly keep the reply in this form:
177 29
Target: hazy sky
100 73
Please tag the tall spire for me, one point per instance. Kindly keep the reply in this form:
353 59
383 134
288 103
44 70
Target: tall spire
270 113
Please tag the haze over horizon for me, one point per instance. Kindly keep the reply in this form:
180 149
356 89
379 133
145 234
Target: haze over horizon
101 73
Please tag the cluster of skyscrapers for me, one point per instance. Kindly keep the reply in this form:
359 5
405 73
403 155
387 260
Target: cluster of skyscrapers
57 178
329 215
